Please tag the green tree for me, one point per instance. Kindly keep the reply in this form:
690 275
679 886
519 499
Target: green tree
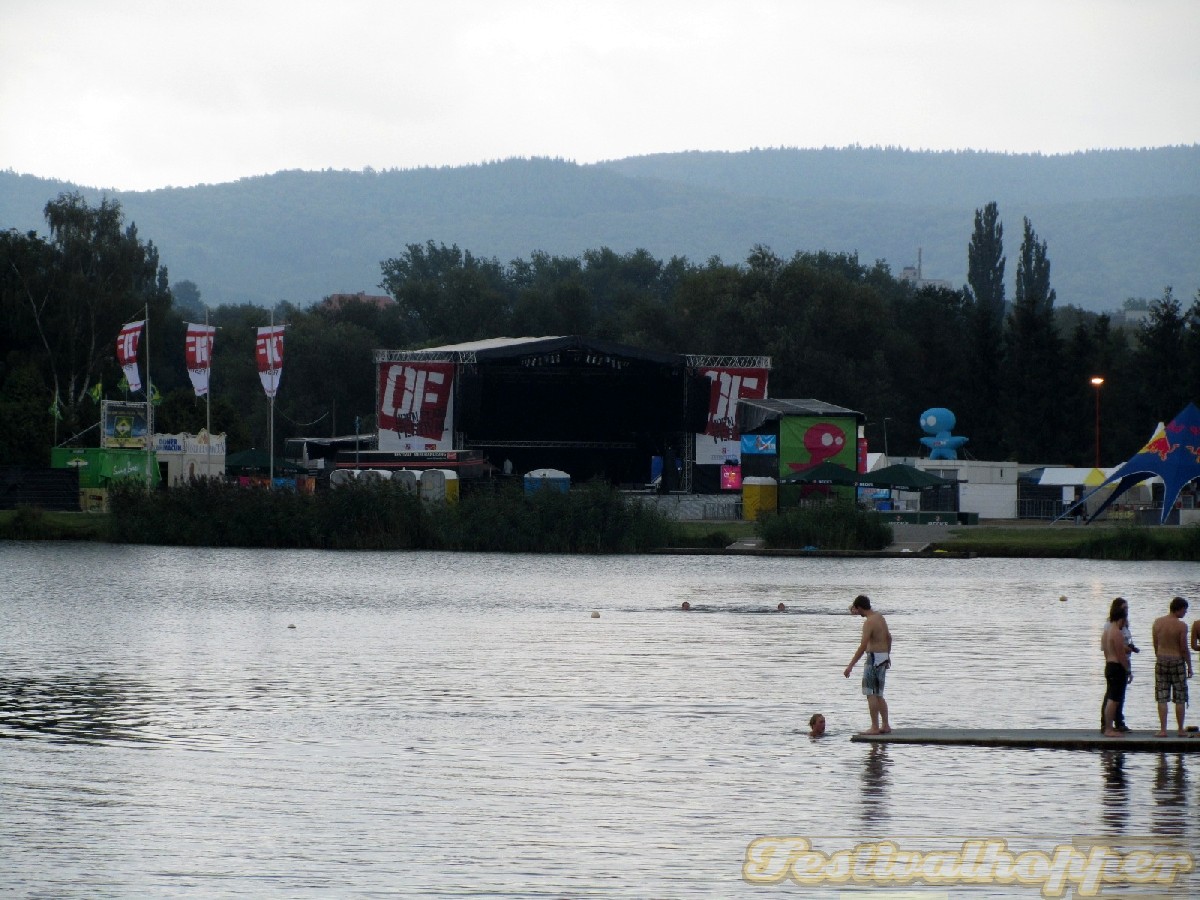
1163 358
985 275
1033 383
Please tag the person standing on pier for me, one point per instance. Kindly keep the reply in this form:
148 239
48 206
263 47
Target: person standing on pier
1116 668
876 645
1173 664
1118 605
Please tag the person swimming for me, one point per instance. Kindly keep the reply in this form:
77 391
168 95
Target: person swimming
816 725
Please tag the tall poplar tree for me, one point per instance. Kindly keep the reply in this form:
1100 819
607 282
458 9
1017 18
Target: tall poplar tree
985 275
1033 383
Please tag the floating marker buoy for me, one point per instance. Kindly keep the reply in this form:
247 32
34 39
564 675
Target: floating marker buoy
595 615
1062 599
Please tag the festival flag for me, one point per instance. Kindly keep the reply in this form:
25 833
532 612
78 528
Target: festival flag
97 392
127 347
198 350
56 408
269 352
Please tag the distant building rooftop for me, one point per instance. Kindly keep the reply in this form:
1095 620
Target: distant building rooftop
337 301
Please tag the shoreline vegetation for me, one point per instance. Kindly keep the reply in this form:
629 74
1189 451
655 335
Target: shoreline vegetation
593 518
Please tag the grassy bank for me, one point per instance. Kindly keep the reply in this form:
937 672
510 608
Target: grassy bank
1125 542
35 524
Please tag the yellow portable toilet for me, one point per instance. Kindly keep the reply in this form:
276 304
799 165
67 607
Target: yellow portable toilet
759 495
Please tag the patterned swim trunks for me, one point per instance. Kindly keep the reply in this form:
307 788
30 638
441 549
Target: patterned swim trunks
1170 681
874 676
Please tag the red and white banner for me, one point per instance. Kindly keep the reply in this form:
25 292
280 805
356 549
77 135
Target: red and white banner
268 350
416 407
198 350
127 347
728 387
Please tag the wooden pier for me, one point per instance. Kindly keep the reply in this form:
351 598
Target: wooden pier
1038 738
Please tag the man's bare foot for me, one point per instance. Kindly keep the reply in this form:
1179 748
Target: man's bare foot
1111 732
1160 734
873 731
886 729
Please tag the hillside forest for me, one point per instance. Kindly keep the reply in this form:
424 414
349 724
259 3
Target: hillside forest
1015 370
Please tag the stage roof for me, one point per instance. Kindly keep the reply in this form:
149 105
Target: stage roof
753 414
505 348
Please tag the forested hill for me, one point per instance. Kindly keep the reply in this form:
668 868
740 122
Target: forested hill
1118 224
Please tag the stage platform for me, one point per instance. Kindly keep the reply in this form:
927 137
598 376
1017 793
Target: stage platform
1037 738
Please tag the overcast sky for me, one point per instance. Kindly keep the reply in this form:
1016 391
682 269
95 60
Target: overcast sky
137 94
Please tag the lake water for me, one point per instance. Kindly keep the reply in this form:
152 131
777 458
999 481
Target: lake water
459 725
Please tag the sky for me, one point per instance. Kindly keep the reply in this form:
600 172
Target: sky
141 94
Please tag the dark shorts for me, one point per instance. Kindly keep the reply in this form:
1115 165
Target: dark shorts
1170 681
1116 677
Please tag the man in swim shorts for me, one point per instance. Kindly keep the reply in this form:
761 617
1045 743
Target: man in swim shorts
1173 664
876 646
1116 669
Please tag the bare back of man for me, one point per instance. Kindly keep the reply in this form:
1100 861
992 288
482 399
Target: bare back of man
1172 665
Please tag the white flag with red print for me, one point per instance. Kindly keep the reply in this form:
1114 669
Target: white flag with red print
269 352
198 350
127 347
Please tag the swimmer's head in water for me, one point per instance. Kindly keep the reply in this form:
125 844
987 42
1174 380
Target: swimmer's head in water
816 724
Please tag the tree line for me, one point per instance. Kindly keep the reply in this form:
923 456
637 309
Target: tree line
1016 372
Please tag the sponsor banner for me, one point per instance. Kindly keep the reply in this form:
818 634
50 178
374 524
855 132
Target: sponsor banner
806 442
759 444
416 407
127 347
731 478
728 386
711 451
198 348
125 425
268 352
190 444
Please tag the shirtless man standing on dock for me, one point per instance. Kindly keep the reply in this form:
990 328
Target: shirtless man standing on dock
876 643
1173 664
1116 668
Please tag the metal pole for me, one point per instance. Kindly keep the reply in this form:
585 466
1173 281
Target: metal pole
271 439
149 404
885 441
208 406
1097 426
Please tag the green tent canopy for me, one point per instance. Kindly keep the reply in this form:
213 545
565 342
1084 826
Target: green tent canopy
898 477
258 462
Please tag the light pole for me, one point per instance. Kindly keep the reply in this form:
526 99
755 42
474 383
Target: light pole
1096 382
886 419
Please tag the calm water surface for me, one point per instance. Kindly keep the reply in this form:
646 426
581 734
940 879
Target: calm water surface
459 725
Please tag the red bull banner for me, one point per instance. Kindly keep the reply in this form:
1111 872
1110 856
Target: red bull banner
198 347
127 348
416 407
268 351
728 386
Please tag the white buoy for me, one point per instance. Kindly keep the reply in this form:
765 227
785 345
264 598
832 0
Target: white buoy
595 615
291 626
1062 599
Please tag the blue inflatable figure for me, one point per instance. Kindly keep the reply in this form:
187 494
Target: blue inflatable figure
939 422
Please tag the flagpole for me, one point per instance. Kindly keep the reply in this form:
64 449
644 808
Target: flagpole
272 398
149 403
208 404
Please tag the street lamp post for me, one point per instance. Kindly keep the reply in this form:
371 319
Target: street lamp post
886 419
1096 382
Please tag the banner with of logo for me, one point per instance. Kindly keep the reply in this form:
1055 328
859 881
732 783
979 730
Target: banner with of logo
416 407
127 352
124 425
198 350
268 351
729 385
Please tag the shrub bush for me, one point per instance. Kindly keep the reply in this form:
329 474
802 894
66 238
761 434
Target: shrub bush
832 526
